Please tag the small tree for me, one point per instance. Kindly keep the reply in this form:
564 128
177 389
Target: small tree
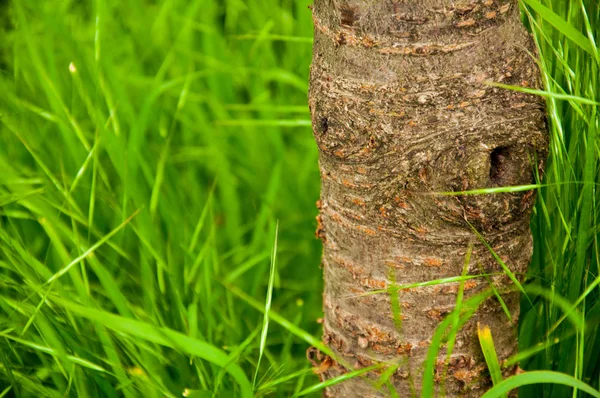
401 112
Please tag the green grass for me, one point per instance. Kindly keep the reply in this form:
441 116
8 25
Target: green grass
565 226
148 151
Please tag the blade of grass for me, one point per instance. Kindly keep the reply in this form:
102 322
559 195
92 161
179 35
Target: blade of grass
95 246
489 353
536 377
561 25
507 270
265 328
547 94
50 351
339 379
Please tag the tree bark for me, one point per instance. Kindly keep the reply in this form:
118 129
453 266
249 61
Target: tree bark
401 111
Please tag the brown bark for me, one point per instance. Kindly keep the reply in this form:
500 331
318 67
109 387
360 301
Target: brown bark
399 110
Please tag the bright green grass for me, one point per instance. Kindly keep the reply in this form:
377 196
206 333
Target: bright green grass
191 116
565 225
148 150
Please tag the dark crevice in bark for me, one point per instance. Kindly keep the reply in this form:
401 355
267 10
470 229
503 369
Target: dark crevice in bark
324 125
498 160
349 15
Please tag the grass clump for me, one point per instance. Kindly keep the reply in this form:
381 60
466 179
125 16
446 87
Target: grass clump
565 264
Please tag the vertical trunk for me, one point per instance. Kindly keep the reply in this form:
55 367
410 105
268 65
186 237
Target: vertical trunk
399 108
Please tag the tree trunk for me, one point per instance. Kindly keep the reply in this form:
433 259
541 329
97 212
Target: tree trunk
400 111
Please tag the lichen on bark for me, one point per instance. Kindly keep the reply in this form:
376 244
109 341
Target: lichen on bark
401 111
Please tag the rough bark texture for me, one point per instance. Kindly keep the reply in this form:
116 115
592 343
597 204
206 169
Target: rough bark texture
400 109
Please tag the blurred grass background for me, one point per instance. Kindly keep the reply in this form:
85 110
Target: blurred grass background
148 150
192 114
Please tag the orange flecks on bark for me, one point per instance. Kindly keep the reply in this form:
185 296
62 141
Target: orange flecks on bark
374 283
467 23
434 314
320 232
359 202
401 203
394 264
453 288
366 230
320 361
421 230
384 349
356 290
404 349
467 376
432 262
402 316
355 270
348 183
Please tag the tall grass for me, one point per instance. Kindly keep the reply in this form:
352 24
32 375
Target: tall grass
147 151
565 225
